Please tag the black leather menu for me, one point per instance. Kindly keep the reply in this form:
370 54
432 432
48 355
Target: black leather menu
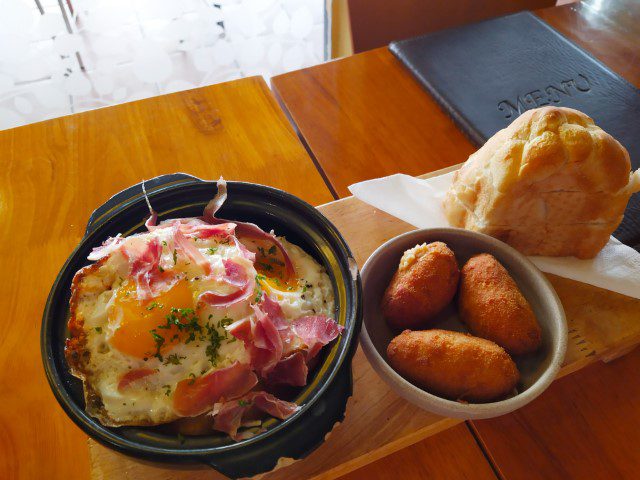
486 74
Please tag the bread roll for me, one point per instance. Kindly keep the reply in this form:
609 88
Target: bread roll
551 183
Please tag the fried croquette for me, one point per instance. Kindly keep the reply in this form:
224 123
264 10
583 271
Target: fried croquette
453 365
425 283
492 306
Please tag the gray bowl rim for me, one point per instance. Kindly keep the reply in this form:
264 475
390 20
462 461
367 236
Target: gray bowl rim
451 408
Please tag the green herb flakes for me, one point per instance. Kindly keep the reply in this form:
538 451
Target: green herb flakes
174 359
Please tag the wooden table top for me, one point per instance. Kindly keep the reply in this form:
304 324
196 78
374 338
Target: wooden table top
365 116
56 172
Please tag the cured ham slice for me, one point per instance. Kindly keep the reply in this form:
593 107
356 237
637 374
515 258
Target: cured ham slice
108 246
188 248
236 276
244 229
261 338
316 331
196 396
132 376
192 227
144 263
230 415
292 370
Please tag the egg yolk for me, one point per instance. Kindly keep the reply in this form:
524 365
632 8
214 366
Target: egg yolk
270 264
144 331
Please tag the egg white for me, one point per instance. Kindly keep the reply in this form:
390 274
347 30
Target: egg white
150 400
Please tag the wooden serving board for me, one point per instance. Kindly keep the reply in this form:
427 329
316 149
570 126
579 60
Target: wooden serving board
602 325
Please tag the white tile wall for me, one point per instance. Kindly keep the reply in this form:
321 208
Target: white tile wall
132 49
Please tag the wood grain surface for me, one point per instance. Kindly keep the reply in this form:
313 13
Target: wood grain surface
584 426
56 172
378 422
383 116
365 116
451 454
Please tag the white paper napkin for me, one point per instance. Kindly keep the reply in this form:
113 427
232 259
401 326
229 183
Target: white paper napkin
418 202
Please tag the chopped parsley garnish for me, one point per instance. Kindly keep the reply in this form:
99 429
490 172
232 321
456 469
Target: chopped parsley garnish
266 266
258 290
186 320
98 329
160 269
212 250
216 338
175 256
174 359
159 340
167 391
275 261
244 403
261 250
272 250
155 305
192 377
164 242
258 296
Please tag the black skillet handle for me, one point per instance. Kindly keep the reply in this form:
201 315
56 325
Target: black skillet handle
98 217
295 441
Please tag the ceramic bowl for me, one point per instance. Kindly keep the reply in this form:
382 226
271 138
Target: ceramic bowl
324 398
537 370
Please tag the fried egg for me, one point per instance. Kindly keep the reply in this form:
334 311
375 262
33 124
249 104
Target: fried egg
131 350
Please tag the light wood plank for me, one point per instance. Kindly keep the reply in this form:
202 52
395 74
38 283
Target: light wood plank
378 422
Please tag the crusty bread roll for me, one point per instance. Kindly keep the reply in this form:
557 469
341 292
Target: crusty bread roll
551 183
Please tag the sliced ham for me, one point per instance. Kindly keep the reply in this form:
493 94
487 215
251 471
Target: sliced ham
261 338
216 202
244 229
236 276
132 376
196 396
316 331
188 248
144 264
192 227
291 370
234 273
230 415
246 253
250 230
273 406
272 309
152 221
110 245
